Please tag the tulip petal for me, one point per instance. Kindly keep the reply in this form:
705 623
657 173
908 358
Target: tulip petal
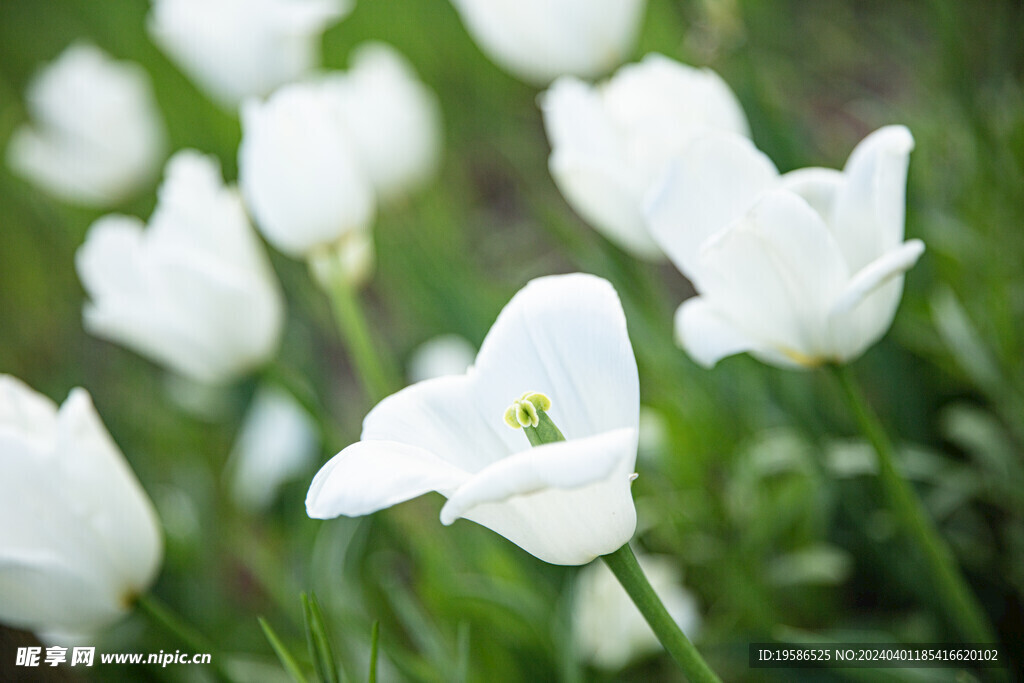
584 484
707 334
776 272
588 162
870 209
373 475
40 588
445 417
564 336
876 274
712 183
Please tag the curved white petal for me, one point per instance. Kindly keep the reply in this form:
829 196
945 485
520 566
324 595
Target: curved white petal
564 502
876 274
394 119
590 166
870 209
819 187
107 493
605 198
712 183
776 272
444 416
373 475
564 336
706 334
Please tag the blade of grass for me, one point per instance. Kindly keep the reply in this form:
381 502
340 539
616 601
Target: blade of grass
283 655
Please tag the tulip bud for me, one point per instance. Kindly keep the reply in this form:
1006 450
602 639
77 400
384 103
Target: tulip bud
96 136
236 49
299 171
539 40
194 291
80 538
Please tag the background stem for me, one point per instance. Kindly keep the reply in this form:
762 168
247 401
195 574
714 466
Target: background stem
627 570
374 374
961 607
185 632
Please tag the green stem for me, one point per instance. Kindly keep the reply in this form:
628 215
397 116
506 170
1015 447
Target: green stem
960 605
363 350
627 570
185 632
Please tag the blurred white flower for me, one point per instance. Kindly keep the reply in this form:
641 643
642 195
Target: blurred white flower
611 143
194 291
96 135
441 356
300 172
235 49
539 40
80 538
565 502
654 436
392 118
608 629
798 270
277 443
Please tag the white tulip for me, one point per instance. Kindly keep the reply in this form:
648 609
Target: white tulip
608 630
80 538
565 502
392 118
539 40
96 135
611 143
800 269
194 291
277 442
299 171
448 354
236 49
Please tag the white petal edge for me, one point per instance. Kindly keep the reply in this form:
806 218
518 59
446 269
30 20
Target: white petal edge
711 184
876 274
706 335
372 475
564 465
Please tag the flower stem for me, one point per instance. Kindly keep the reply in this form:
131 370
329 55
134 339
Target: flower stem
187 634
961 607
627 570
375 376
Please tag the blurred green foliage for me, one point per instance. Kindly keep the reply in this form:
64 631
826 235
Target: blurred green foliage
770 512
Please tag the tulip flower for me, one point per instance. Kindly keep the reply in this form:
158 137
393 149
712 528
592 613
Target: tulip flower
611 143
608 630
194 291
277 442
96 135
236 49
539 40
392 119
448 354
80 539
556 362
300 173
798 270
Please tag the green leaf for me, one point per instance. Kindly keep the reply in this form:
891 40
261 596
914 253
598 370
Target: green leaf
319 642
374 643
285 657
